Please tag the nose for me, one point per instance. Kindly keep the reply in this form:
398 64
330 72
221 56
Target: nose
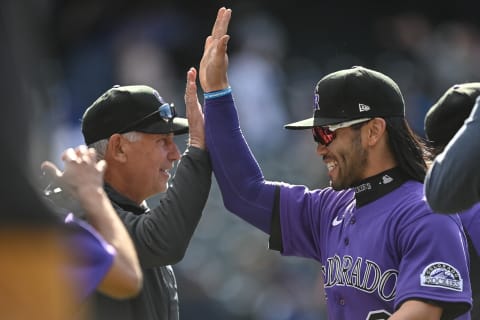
321 149
174 153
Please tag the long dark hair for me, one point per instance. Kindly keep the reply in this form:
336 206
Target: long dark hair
409 150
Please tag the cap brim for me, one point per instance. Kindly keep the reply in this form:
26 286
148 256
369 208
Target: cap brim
176 126
313 122
180 125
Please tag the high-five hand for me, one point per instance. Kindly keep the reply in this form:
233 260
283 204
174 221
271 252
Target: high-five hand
196 121
214 63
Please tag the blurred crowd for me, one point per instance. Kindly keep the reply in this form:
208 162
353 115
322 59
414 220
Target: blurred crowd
277 54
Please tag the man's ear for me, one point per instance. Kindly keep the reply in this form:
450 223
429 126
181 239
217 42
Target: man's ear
376 129
116 148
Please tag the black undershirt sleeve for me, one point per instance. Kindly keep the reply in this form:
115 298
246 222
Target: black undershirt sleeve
275 241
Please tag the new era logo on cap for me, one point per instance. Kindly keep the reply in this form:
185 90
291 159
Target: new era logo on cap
351 94
363 107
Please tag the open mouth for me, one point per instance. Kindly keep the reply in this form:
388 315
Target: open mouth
165 172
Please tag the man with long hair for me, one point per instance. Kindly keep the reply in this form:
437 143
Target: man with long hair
384 253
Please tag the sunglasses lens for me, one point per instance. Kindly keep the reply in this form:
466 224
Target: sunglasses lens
323 135
166 111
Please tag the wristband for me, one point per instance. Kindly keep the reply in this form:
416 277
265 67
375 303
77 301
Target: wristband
218 93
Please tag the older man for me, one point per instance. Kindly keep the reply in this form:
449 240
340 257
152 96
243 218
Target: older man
133 128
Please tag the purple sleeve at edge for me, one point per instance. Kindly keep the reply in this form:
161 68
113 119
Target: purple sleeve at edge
244 189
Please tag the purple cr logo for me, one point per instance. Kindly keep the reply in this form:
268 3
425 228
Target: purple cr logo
315 102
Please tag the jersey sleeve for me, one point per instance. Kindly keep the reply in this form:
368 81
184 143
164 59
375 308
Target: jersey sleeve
306 217
434 264
453 182
92 257
244 190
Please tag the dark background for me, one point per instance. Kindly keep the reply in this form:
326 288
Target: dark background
59 56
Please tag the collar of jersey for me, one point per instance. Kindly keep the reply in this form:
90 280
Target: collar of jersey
377 186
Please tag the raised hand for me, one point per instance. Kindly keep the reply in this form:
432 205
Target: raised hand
82 173
195 117
214 63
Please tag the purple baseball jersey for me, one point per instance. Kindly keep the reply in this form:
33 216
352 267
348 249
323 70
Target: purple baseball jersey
376 256
92 256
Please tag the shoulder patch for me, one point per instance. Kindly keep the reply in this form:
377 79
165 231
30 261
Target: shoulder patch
441 275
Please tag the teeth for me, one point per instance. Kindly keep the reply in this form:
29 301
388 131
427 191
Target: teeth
331 165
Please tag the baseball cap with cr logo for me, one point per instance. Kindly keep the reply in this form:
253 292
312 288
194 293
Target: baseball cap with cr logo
352 94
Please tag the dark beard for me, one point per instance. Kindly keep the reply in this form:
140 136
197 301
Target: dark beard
361 162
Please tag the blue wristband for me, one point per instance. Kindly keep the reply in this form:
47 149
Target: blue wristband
218 93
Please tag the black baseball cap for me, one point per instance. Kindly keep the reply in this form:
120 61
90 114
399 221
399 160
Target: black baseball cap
130 108
447 115
352 94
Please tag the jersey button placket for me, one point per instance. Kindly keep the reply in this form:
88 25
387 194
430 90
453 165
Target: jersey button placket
346 241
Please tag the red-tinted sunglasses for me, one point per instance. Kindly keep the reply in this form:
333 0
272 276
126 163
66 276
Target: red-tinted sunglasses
326 134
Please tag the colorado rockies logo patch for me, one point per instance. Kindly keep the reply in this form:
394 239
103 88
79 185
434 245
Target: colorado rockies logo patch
443 275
